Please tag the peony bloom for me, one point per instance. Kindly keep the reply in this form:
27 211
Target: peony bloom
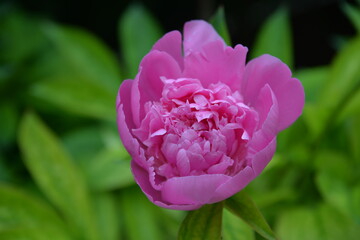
199 123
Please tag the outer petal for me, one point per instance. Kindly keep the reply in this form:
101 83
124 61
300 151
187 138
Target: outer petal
154 65
124 115
171 43
216 63
234 185
192 189
289 92
142 179
198 33
263 157
268 110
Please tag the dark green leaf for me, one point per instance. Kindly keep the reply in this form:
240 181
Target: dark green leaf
204 223
23 216
275 38
242 205
235 229
20 37
56 175
219 23
138 31
353 14
87 56
8 123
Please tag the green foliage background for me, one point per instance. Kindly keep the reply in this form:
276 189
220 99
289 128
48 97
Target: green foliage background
65 175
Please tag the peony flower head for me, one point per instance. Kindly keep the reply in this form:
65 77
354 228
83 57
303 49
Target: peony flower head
199 123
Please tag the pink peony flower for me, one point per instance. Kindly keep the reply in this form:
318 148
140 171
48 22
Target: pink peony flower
199 123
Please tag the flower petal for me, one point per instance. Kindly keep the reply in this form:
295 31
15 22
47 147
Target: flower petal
270 70
198 33
216 63
263 157
142 179
192 189
171 43
234 185
154 65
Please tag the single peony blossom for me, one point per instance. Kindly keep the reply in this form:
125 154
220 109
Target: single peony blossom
199 123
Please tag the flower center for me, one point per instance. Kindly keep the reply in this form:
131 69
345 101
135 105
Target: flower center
194 130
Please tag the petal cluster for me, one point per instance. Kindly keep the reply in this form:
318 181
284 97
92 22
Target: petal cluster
200 124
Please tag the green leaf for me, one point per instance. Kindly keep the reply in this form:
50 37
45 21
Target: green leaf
275 38
353 129
242 206
77 95
107 218
137 31
218 21
109 169
8 123
101 156
353 14
352 107
139 216
335 191
312 80
20 37
300 223
87 56
56 175
234 228
342 83
78 73
23 216
204 223
322 222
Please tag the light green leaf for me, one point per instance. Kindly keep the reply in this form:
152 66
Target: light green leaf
138 31
275 38
103 159
312 80
218 21
204 223
342 83
322 222
355 199
56 175
300 223
86 55
353 130
139 216
352 106
107 218
77 95
335 191
241 205
109 169
353 14
23 216
235 229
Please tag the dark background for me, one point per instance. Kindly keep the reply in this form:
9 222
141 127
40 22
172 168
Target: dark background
318 25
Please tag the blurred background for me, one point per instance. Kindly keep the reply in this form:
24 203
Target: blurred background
63 171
